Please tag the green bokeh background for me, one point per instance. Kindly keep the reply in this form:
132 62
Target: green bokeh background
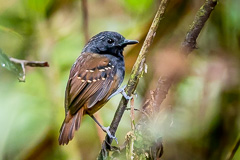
31 113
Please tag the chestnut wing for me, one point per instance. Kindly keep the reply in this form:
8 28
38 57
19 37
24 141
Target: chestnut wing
90 80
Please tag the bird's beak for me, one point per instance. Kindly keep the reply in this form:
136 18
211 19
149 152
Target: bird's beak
128 42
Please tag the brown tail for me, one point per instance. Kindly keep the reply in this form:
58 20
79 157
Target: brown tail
70 124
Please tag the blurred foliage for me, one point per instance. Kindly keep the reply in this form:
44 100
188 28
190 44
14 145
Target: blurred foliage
13 67
205 102
138 6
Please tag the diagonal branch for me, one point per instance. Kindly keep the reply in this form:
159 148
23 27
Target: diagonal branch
152 105
137 72
234 150
188 45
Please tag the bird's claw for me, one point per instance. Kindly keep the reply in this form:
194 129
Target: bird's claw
122 91
125 94
106 129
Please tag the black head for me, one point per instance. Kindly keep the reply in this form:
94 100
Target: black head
108 43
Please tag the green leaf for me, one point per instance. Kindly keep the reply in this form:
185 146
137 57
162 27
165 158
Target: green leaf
9 65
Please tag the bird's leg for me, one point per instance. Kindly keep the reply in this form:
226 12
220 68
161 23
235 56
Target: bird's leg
105 129
122 91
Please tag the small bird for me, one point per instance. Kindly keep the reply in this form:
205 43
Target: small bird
94 78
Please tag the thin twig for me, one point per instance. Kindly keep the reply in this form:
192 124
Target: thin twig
137 72
234 150
189 43
85 20
25 63
139 110
132 114
30 63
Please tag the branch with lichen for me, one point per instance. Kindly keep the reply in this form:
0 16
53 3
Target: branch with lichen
188 45
152 106
137 72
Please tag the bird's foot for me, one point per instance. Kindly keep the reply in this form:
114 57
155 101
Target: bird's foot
106 129
122 91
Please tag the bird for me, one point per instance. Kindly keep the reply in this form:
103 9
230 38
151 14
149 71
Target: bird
94 79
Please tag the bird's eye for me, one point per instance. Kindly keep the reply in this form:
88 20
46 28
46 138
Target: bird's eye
110 41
